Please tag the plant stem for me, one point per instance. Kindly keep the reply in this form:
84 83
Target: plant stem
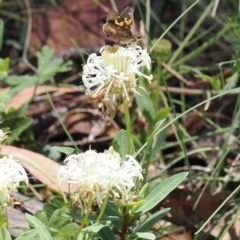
85 219
127 120
125 224
103 209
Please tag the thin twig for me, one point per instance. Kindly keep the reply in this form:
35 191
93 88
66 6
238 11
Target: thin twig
28 35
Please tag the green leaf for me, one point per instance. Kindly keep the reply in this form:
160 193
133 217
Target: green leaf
42 230
3 220
90 231
136 141
48 68
111 210
6 236
151 220
31 234
160 140
231 82
18 125
3 75
19 83
15 80
160 192
145 104
106 234
66 150
91 218
142 235
4 97
161 114
44 57
156 129
48 151
42 216
14 44
4 64
1 32
121 140
215 82
56 220
69 230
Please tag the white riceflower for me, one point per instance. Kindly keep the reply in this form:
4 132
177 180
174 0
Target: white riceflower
3 135
11 174
100 174
114 73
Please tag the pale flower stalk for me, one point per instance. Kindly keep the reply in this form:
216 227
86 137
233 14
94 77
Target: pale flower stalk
114 74
101 174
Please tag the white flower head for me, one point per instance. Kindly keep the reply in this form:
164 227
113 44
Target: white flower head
100 174
3 135
114 73
11 174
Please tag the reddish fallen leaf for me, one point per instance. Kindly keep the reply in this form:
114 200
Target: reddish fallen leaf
79 20
25 95
42 168
181 204
209 203
16 218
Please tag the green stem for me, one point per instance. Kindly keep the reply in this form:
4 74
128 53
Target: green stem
128 126
85 219
103 209
3 233
126 220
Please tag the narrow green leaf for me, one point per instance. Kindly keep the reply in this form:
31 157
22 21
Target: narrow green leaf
142 235
91 218
145 104
160 192
18 125
231 82
43 232
70 229
4 64
111 210
106 234
7 235
1 32
66 150
156 129
122 140
89 232
161 114
160 140
31 234
151 220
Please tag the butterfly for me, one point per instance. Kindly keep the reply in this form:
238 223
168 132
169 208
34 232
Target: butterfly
120 28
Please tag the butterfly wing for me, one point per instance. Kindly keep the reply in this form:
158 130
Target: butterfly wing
115 32
127 14
120 28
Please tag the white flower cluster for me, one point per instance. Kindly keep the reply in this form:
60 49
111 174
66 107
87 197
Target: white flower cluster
100 174
114 72
3 135
11 174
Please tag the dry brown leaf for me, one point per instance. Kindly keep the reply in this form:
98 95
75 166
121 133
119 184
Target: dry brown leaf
25 95
41 167
79 20
180 213
16 218
209 203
